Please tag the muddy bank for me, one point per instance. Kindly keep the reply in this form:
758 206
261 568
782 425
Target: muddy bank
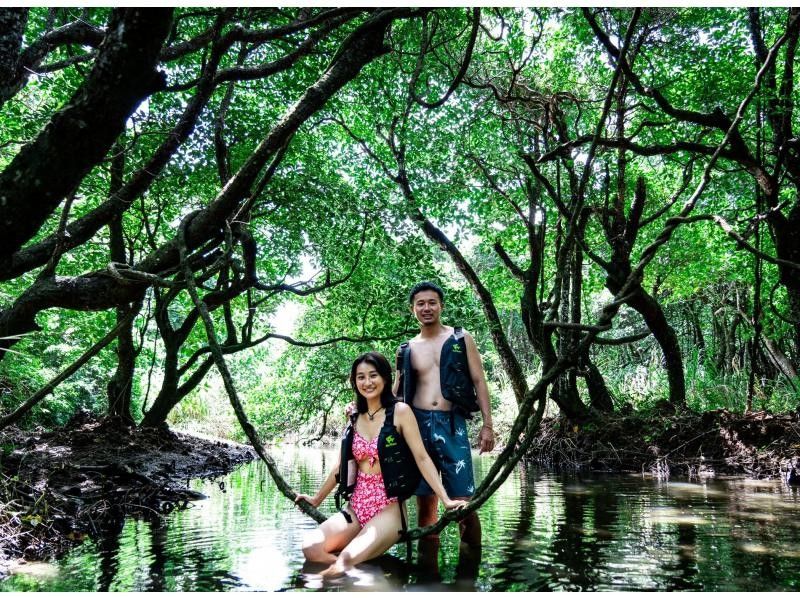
59 487
756 445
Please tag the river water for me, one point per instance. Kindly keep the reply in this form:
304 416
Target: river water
541 531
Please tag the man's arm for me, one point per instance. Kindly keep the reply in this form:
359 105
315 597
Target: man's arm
486 435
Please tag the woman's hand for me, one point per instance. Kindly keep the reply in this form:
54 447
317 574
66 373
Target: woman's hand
454 504
313 501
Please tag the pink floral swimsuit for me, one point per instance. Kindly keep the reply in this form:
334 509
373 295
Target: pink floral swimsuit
369 498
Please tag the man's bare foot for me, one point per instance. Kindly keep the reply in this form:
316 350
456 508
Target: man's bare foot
334 571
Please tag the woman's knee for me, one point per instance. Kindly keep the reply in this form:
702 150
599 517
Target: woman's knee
314 545
312 552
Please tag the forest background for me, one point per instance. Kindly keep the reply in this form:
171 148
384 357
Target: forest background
608 197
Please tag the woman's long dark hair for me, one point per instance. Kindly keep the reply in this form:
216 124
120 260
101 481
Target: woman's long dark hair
381 364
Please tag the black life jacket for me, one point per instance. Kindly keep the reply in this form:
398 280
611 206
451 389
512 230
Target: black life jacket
454 378
400 473
348 468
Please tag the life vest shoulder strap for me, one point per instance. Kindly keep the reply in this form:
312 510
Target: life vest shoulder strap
389 416
401 352
458 332
404 374
345 453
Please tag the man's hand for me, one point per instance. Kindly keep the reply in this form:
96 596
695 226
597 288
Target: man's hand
485 439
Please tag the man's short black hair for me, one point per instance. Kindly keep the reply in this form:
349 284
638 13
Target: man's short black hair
426 286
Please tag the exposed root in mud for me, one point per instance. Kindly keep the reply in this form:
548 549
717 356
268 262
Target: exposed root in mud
757 445
57 488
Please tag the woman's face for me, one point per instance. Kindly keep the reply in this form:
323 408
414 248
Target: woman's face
368 381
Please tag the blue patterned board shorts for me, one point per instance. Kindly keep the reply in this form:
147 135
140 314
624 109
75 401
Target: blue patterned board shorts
447 444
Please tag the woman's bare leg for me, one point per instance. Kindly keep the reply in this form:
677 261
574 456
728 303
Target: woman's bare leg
375 538
331 536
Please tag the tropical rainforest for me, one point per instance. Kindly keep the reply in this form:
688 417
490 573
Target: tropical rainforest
207 213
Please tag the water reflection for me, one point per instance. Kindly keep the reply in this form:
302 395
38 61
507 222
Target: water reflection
541 531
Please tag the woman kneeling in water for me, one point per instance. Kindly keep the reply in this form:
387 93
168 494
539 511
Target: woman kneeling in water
370 525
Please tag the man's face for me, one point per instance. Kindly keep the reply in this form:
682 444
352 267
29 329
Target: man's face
427 308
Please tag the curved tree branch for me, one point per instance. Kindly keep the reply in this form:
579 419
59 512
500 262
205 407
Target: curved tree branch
52 166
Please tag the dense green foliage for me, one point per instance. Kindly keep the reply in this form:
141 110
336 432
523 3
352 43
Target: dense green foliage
549 167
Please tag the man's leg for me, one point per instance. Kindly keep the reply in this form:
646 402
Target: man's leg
470 527
428 546
457 475
469 561
428 511
427 501
427 505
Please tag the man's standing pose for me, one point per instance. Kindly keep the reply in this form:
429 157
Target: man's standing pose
441 376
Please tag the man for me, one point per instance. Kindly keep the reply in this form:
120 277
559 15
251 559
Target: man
443 385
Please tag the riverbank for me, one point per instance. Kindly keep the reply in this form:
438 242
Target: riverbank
661 442
58 488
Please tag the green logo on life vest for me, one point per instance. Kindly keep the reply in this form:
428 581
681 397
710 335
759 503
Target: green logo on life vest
391 441
456 348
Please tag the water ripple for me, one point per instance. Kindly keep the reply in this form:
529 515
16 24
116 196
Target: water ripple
542 531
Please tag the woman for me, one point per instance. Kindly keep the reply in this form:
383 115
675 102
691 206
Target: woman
370 524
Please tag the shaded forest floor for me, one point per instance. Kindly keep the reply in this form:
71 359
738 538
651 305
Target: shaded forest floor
57 488
757 445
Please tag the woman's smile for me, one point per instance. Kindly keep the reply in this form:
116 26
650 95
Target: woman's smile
369 382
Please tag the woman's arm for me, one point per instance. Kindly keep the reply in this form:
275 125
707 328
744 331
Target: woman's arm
406 424
327 486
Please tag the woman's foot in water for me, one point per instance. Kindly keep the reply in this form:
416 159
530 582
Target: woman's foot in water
334 571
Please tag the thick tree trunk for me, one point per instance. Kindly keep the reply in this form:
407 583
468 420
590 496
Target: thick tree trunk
565 390
171 394
779 359
533 318
599 395
667 339
622 235
665 335
786 231
157 414
77 137
167 396
12 28
120 386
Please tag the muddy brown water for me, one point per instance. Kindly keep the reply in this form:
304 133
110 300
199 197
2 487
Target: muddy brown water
542 531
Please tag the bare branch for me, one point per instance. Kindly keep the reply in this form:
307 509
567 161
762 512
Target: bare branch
623 340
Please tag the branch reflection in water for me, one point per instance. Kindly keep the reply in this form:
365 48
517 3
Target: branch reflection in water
541 531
